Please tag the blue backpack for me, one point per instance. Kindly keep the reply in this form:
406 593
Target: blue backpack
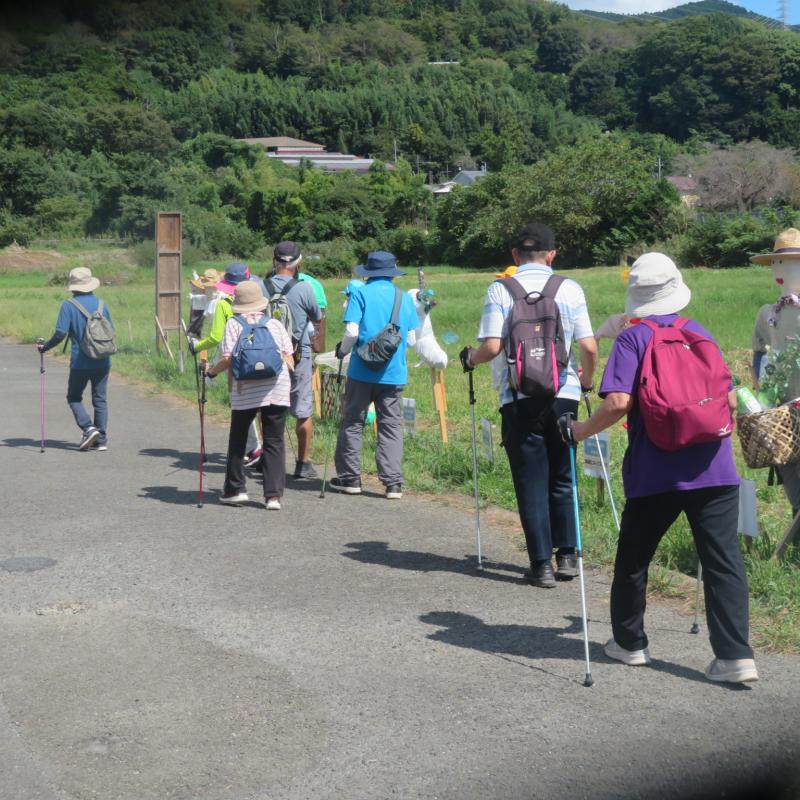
255 356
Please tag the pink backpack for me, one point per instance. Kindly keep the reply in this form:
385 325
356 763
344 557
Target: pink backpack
683 389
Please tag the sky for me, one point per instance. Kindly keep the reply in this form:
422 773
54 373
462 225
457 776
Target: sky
769 8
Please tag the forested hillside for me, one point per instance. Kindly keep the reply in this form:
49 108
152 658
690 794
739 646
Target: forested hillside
109 110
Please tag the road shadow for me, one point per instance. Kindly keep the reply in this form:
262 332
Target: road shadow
190 497
36 444
532 642
420 561
215 462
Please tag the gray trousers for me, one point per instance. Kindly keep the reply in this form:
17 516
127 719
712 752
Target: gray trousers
790 474
389 453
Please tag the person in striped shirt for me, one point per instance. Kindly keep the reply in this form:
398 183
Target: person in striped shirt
268 398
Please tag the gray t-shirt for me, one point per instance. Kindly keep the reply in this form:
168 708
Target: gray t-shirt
303 305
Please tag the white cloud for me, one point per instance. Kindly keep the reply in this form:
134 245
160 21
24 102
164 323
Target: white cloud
624 6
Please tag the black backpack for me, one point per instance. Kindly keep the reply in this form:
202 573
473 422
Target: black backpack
377 352
535 347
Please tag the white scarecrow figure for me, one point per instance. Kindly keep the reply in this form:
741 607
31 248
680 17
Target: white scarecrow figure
783 326
426 346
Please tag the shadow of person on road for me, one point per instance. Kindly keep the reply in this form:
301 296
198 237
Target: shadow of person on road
532 642
215 462
381 553
35 444
176 496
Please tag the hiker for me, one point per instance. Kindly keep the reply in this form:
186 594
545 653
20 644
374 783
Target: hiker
283 288
202 296
539 459
90 356
783 326
266 398
674 462
377 373
316 331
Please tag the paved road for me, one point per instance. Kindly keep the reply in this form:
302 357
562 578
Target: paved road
342 648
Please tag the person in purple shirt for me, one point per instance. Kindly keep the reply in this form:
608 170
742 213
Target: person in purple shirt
699 480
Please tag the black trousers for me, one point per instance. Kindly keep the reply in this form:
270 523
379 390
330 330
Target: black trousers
273 458
540 469
712 514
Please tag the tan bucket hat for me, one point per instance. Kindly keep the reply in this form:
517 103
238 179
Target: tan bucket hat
655 286
81 280
211 277
248 298
786 245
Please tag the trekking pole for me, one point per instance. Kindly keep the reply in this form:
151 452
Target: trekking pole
565 424
475 470
603 465
200 382
334 414
41 395
695 625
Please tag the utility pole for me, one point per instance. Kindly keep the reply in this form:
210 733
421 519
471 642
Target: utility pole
395 152
783 12
659 164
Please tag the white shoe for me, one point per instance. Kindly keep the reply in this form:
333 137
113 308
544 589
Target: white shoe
234 499
90 436
273 504
633 658
736 670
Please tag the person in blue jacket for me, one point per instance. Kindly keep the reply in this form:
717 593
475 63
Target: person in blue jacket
369 310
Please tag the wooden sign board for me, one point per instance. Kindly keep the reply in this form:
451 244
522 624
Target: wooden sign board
169 237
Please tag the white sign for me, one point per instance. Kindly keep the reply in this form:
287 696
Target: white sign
488 440
592 465
409 416
748 519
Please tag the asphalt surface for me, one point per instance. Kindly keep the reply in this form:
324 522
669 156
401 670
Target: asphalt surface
342 648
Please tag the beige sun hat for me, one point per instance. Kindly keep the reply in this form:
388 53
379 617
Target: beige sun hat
787 244
211 277
655 286
248 298
81 280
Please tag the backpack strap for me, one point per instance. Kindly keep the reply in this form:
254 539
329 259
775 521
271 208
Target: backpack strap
514 288
398 299
74 302
288 286
680 322
650 324
552 286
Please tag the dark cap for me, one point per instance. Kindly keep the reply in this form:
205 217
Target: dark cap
286 252
536 237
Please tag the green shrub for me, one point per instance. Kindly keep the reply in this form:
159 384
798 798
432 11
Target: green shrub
409 243
17 229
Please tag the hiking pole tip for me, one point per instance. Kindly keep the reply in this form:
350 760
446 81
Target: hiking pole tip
588 680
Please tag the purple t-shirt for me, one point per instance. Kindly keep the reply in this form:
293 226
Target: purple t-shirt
647 469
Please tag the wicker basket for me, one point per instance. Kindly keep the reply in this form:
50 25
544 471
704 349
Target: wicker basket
770 438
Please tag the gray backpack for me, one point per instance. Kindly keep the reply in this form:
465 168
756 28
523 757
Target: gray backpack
98 338
378 351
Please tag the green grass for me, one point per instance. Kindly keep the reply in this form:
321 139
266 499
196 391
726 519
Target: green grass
725 301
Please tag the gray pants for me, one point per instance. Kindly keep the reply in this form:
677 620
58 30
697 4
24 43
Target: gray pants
790 474
389 453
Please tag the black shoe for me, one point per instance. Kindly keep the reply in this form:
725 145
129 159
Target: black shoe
346 485
90 436
394 492
566 567
304 469
541 575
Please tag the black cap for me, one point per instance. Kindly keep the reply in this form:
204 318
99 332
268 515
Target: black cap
536 237
286 252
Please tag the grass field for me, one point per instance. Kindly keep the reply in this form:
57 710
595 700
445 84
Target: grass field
724 301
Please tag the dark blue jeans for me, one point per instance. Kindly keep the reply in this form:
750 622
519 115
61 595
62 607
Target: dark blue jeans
540 469
78 379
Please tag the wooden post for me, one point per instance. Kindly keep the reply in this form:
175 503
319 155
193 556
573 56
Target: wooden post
169 237
440 401
316 390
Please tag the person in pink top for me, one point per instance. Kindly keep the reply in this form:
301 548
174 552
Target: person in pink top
268 398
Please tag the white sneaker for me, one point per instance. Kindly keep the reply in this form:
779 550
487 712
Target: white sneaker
273 504
234 499
736 670
633 658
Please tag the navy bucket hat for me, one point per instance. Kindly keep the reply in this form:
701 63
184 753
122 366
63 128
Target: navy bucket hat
380 264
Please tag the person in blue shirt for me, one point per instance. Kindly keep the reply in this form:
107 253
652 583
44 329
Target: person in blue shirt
82 369
369 310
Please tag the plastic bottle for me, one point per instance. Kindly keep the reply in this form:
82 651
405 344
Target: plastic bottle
746 402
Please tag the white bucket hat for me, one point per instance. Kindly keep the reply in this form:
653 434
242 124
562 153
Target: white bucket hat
655 286
81 280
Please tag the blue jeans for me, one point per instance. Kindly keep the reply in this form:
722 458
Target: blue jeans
540 469
78 379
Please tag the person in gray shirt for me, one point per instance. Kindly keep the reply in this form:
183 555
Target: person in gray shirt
304 310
